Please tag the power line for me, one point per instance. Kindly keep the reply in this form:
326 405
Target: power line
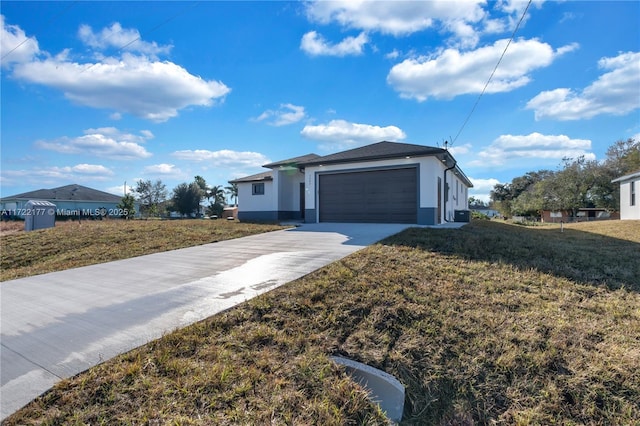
53 18
159 25
493 72
166 21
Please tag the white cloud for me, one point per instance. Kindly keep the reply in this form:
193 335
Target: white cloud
465 21
133 84
513 150
119 189
225 157
55 175
483 185
91 169
315 45
614 93
398 17
137 84
15 46
452 72
163 169
460 149
286 114
106 142
342 134
394 54
120 38
482 188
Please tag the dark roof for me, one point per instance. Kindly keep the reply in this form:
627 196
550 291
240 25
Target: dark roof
292 162
254 178
378 151
72 192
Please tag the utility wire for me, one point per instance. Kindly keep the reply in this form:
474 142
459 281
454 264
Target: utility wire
166 21
53 18
493 72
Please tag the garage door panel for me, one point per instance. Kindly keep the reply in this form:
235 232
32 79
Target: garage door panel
381 196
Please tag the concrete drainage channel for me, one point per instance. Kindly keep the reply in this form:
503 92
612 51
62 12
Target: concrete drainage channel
384 389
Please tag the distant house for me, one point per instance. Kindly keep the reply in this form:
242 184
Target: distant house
582 215
70 200
386 182
629 196
485 211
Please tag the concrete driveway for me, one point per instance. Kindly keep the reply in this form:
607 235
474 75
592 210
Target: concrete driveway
59 324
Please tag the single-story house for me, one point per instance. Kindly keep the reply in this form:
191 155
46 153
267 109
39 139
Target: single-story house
629 196
386 182
70 200
582 215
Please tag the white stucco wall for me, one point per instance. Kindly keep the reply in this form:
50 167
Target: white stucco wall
288 181
430 170
248 202
627 211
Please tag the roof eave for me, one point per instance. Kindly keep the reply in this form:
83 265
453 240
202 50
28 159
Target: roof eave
320 162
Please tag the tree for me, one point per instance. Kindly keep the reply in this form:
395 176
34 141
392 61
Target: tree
624 157
202 184
501 198
151 196
186 198
504 196
217 193
569 188
127 206
232 190
578 184
530 202
216 207
476 203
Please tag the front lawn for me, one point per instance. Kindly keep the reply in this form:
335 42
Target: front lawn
73 244
492 323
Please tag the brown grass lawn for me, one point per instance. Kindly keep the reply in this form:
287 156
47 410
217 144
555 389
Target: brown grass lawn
490 324
72 244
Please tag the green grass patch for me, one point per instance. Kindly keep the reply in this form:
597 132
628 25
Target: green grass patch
73 244
490 324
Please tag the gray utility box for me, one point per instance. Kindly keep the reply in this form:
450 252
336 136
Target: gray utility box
462 215
39 214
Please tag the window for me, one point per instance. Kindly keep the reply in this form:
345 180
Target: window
633 193
257 189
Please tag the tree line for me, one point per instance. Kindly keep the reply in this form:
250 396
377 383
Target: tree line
186 198
578 183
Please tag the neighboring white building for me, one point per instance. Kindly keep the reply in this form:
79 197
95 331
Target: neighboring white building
629 196
386 182
69 200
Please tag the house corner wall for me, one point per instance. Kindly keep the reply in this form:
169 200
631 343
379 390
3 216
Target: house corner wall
289 180
627 211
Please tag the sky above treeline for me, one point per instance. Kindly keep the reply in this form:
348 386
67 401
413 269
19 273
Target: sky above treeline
106 93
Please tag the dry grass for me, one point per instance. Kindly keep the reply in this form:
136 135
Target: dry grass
73 244
491 324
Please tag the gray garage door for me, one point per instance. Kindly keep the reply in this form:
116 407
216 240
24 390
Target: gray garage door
381 196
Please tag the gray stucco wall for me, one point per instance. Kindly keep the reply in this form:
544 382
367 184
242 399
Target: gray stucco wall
268 216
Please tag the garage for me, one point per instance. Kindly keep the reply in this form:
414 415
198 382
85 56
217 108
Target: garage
377 196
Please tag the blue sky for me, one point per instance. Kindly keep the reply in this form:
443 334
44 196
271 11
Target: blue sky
103 93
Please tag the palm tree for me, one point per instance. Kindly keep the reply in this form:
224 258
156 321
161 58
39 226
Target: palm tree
217 193
233 192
